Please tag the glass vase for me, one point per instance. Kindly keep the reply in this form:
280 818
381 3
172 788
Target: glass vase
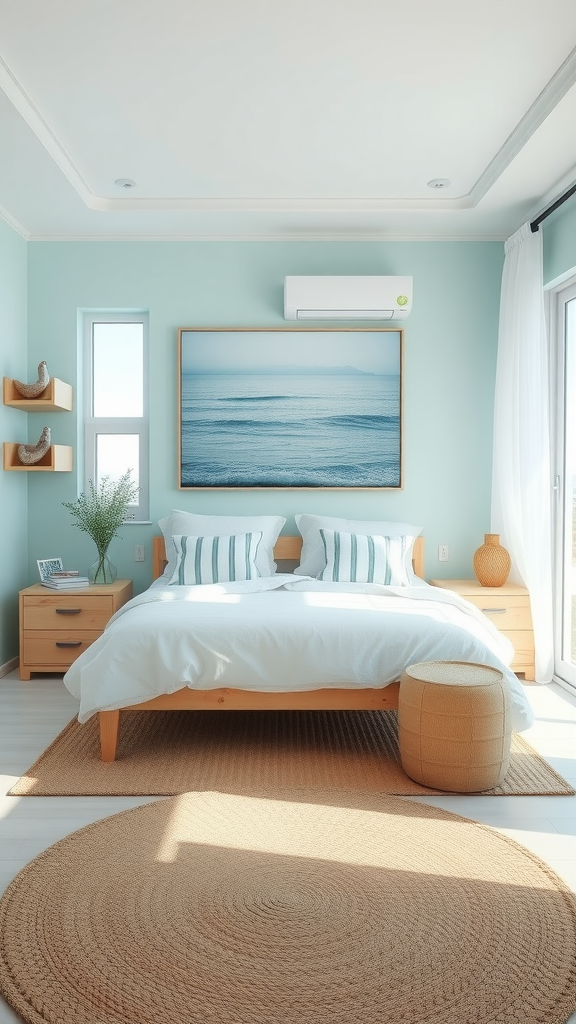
102 570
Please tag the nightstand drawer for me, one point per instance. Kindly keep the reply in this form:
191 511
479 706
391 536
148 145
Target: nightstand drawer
523 641
506 613
65 612
43 649
507 608
57 627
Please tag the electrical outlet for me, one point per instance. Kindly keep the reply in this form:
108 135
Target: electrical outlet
442 552
139 553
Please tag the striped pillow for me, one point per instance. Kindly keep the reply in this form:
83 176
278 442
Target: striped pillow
358 558
215 559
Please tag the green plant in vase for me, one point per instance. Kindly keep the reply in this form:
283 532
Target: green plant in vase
100 513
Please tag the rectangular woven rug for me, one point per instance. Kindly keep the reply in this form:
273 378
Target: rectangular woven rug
163 753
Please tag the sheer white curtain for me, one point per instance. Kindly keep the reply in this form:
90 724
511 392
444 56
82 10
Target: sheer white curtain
521 465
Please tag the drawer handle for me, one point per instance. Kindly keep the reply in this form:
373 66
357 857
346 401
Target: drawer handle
68 611
68 643
494 611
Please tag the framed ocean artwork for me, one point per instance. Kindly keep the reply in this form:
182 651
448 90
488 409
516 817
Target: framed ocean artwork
308 407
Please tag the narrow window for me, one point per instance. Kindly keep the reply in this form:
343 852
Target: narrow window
563 335
116 420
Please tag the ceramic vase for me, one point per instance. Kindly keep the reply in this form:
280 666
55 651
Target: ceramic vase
491 562
102 570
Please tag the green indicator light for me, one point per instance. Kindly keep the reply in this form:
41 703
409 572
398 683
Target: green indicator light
402 300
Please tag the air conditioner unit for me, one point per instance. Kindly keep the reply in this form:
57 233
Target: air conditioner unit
347 298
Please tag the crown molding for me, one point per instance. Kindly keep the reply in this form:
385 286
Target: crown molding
277 204
555 89
25 107
560 83
15 224
550 197
278 237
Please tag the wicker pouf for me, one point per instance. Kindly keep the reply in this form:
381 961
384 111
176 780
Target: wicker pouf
454 725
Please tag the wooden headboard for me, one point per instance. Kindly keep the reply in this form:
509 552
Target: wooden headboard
285 549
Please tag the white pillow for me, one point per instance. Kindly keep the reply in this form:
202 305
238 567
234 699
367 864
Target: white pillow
312 558
363 558
193 524
215 559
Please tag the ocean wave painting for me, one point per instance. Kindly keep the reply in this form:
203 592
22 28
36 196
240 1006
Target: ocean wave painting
290 408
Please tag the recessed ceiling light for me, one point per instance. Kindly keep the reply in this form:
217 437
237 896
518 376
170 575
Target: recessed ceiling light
125 183
439 183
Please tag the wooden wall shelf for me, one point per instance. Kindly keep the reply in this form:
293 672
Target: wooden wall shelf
58 459
57 396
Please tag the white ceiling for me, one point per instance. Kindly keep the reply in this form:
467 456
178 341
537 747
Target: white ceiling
300 119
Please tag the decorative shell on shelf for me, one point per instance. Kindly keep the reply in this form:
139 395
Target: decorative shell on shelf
36 389
29 454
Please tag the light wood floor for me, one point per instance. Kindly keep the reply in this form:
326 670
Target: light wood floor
33 713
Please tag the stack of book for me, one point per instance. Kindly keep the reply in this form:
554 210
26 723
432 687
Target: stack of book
65 579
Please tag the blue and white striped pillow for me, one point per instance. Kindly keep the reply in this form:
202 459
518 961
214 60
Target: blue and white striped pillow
359 558
215 559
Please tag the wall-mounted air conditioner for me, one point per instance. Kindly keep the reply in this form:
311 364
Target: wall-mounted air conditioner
347 298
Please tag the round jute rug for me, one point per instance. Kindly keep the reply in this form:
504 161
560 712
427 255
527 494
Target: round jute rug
214 908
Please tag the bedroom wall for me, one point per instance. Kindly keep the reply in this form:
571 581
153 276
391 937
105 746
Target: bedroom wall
449 364
13 489
559 243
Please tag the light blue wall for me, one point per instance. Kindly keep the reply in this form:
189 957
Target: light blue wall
13 489
559 242
449 364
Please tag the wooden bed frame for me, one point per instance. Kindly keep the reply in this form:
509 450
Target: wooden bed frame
224 699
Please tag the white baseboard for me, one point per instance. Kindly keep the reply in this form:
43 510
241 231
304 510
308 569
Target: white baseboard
8 666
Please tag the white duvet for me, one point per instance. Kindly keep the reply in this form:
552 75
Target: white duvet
281 633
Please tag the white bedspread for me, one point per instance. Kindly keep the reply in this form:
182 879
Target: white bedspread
280 633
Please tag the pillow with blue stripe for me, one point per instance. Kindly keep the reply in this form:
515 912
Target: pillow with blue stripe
312 559
195 525
220 559
366 558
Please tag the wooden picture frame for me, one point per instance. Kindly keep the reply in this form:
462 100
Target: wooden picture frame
305 407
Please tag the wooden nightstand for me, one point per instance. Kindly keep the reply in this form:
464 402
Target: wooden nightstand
56 627
508 607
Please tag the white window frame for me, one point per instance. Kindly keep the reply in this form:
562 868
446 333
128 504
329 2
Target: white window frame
564 672
94 425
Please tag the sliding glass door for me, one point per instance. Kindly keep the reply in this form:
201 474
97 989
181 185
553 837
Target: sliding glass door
563 324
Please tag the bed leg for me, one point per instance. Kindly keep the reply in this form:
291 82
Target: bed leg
109 722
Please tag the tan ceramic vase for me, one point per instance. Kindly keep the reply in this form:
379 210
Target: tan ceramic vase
491 562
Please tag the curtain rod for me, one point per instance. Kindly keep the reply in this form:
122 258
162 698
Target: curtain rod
550 209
